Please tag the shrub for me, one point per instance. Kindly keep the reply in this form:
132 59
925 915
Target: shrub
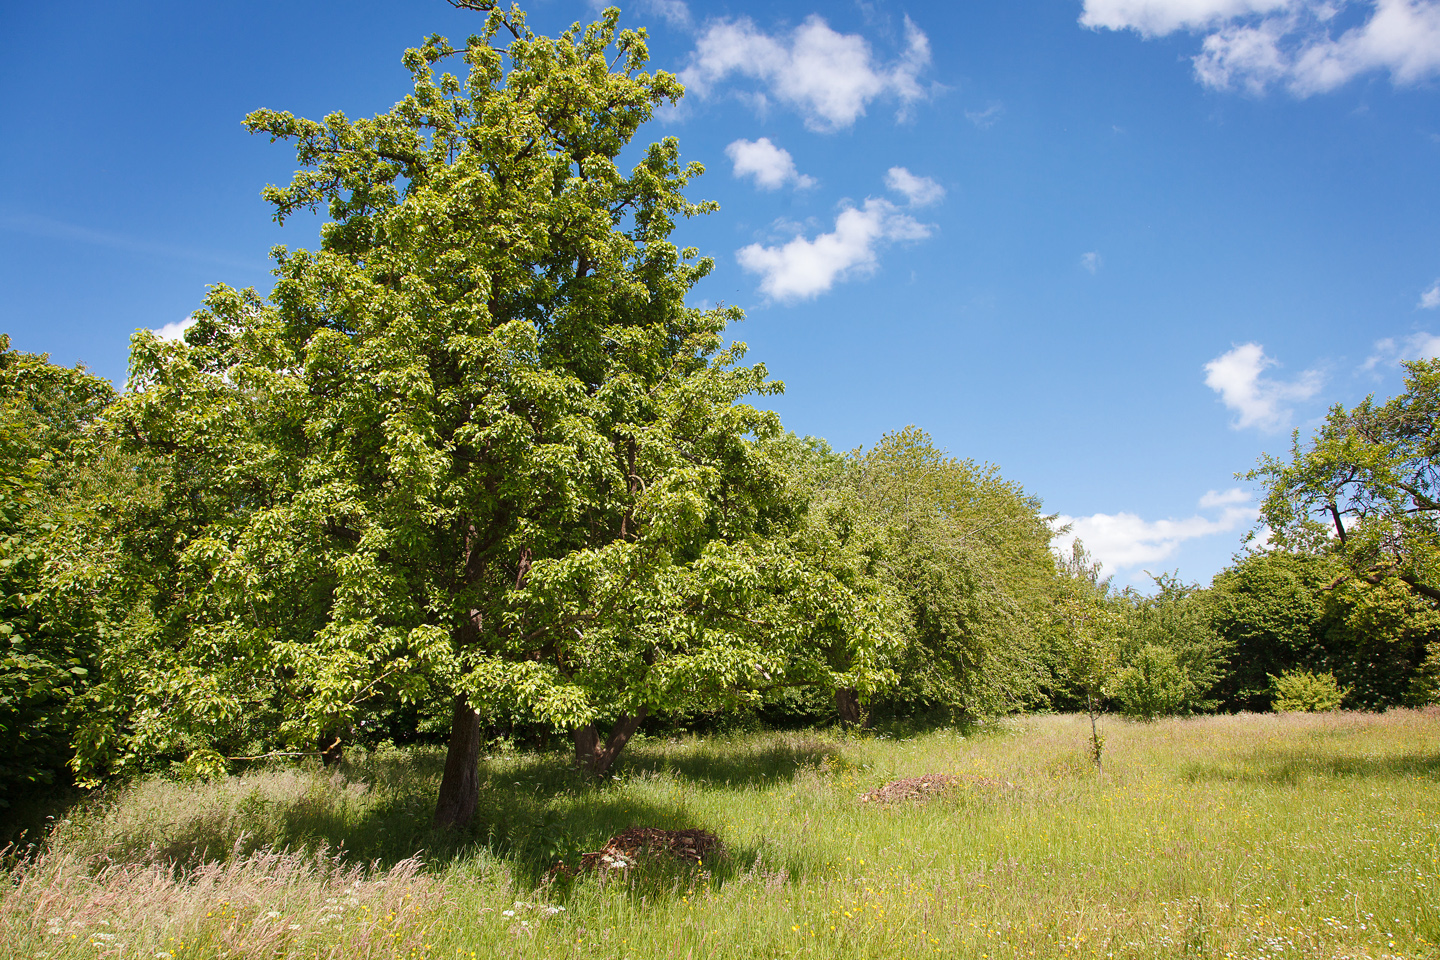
1305 692
1154 685
1425 685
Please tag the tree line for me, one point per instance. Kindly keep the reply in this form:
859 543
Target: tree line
475 462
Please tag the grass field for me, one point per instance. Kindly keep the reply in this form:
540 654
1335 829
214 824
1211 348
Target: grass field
1244 836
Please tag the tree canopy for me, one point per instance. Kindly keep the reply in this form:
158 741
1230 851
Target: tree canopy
45 656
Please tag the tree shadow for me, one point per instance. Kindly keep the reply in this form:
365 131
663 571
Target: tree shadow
29 818
533 811
729 763
1294 768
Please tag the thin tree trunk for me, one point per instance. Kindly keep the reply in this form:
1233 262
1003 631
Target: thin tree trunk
595 759
1095 746
460 785
847 701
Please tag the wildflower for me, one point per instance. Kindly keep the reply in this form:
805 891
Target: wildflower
507 913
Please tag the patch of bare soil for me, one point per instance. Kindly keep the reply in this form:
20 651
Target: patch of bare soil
929 785
625 850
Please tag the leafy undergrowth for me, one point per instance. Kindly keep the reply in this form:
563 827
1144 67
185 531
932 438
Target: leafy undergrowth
1246 836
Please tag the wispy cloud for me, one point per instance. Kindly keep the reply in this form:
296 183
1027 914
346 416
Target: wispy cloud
1238 376
804 268
674 12
985 119
58 230
1223 498
1126 541
829 78
772 167
1091 261
919 191
1254 44
1390 351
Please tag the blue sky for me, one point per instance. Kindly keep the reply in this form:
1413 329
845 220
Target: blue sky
1116 247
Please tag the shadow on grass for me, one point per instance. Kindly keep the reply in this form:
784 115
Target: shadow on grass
533 810
728 763
1286 769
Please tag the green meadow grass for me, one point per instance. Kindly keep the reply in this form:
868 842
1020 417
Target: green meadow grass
1245 836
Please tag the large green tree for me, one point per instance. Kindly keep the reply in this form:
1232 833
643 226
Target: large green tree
1367 486
965 555
475 446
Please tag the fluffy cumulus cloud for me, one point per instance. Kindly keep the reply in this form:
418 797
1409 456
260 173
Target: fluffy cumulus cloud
1128 542
1306 46
1091 261
174 331
828 77
1238 375
918 191
771 166
804 268
1430 299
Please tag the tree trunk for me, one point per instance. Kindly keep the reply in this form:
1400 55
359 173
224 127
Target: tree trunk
847 701
460 786
332 749
596 760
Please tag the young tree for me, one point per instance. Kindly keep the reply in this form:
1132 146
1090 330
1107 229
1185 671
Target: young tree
476 446
1086 628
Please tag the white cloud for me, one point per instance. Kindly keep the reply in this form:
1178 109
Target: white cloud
1417 346
174 331
1260 402
1091 261
771 166
829 77
804 268
1430 299
1122 541
1253 44
920 191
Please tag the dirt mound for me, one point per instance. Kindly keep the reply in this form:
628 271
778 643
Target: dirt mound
914 788
624 850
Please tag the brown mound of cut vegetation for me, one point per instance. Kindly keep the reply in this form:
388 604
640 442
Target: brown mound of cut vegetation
624 850
918 788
